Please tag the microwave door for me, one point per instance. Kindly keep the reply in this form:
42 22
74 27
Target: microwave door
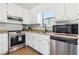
62 29
69 28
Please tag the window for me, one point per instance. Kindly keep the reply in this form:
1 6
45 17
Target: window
49 14
46 18
39 19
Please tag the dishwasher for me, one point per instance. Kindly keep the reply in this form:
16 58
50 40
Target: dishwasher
63 46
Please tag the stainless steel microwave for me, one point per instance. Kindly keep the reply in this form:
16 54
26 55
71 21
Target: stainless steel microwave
67 28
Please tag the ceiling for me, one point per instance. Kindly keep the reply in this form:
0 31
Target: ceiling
27 5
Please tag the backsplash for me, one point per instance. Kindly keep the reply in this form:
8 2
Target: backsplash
14 27
3 26
10 27
38 27
71 21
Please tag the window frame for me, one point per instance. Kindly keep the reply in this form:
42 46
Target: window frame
45 18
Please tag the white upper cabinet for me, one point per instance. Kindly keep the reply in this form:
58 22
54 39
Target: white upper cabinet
19 11
77 9
26 19
11 9
3 12
15 10
71 10
59 9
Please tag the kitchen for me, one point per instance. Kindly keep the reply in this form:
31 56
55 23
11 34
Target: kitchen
39 28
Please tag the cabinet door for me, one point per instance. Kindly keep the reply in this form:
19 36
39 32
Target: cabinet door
15 10
59 9
19 11
3 49
36 43
3 12
45 47
70 10
33 41
43 44
3 43
5 36
30 40
26 19
11 9
5 39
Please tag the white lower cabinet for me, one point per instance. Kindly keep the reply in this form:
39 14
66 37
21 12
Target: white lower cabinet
29 39
45 44
3 43
40 43
3 50
45 47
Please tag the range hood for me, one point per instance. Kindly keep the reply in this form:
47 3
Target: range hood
14 18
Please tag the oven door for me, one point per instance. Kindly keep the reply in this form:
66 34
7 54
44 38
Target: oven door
21 39
14 40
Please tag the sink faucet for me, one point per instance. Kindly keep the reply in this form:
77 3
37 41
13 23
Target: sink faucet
45 29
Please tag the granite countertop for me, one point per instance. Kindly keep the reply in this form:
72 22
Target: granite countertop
71 36
3 31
